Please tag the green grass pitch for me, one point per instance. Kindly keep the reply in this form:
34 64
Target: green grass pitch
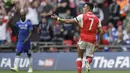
2 71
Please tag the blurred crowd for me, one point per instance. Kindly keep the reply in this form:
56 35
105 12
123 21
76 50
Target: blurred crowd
114 14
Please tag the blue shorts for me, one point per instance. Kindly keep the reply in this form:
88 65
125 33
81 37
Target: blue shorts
23 47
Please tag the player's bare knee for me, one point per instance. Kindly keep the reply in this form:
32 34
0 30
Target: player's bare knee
80 53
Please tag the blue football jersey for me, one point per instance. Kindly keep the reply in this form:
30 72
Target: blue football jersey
24 28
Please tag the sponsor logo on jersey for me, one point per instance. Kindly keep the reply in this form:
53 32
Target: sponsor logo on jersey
25 26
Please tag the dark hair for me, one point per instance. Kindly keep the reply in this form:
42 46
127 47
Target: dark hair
90 5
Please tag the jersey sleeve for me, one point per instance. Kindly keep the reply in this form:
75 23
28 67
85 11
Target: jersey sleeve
99 24
30 26
17 24
79 19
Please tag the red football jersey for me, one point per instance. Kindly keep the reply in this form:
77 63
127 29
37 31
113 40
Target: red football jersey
89 24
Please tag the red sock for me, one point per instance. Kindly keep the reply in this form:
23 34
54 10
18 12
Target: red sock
89 59
79 65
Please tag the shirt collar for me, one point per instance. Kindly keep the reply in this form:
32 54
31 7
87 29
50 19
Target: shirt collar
23 21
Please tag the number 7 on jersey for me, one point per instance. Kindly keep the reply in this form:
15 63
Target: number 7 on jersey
91 24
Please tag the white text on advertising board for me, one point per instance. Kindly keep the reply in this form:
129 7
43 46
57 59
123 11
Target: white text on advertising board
118 62
6 62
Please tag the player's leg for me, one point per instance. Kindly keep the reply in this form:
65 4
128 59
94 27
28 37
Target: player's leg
16 61
88 62
79 60
80 56
29 54
17 57
89 55
89 59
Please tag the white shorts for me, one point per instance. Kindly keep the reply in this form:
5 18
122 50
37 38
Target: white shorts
88 46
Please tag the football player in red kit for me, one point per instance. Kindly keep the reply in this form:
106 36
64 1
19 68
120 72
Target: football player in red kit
89 24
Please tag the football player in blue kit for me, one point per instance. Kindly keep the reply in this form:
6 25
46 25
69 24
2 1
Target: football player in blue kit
24 42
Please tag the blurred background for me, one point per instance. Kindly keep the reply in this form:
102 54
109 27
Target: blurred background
52 36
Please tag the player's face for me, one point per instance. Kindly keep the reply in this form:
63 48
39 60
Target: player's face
23 15
43 20
85 8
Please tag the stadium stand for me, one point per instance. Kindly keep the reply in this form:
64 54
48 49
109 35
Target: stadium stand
62 36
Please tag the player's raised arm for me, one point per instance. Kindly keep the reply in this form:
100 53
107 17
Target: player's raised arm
55 17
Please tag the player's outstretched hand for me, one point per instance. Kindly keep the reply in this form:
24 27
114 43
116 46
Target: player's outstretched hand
96 46
55 17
